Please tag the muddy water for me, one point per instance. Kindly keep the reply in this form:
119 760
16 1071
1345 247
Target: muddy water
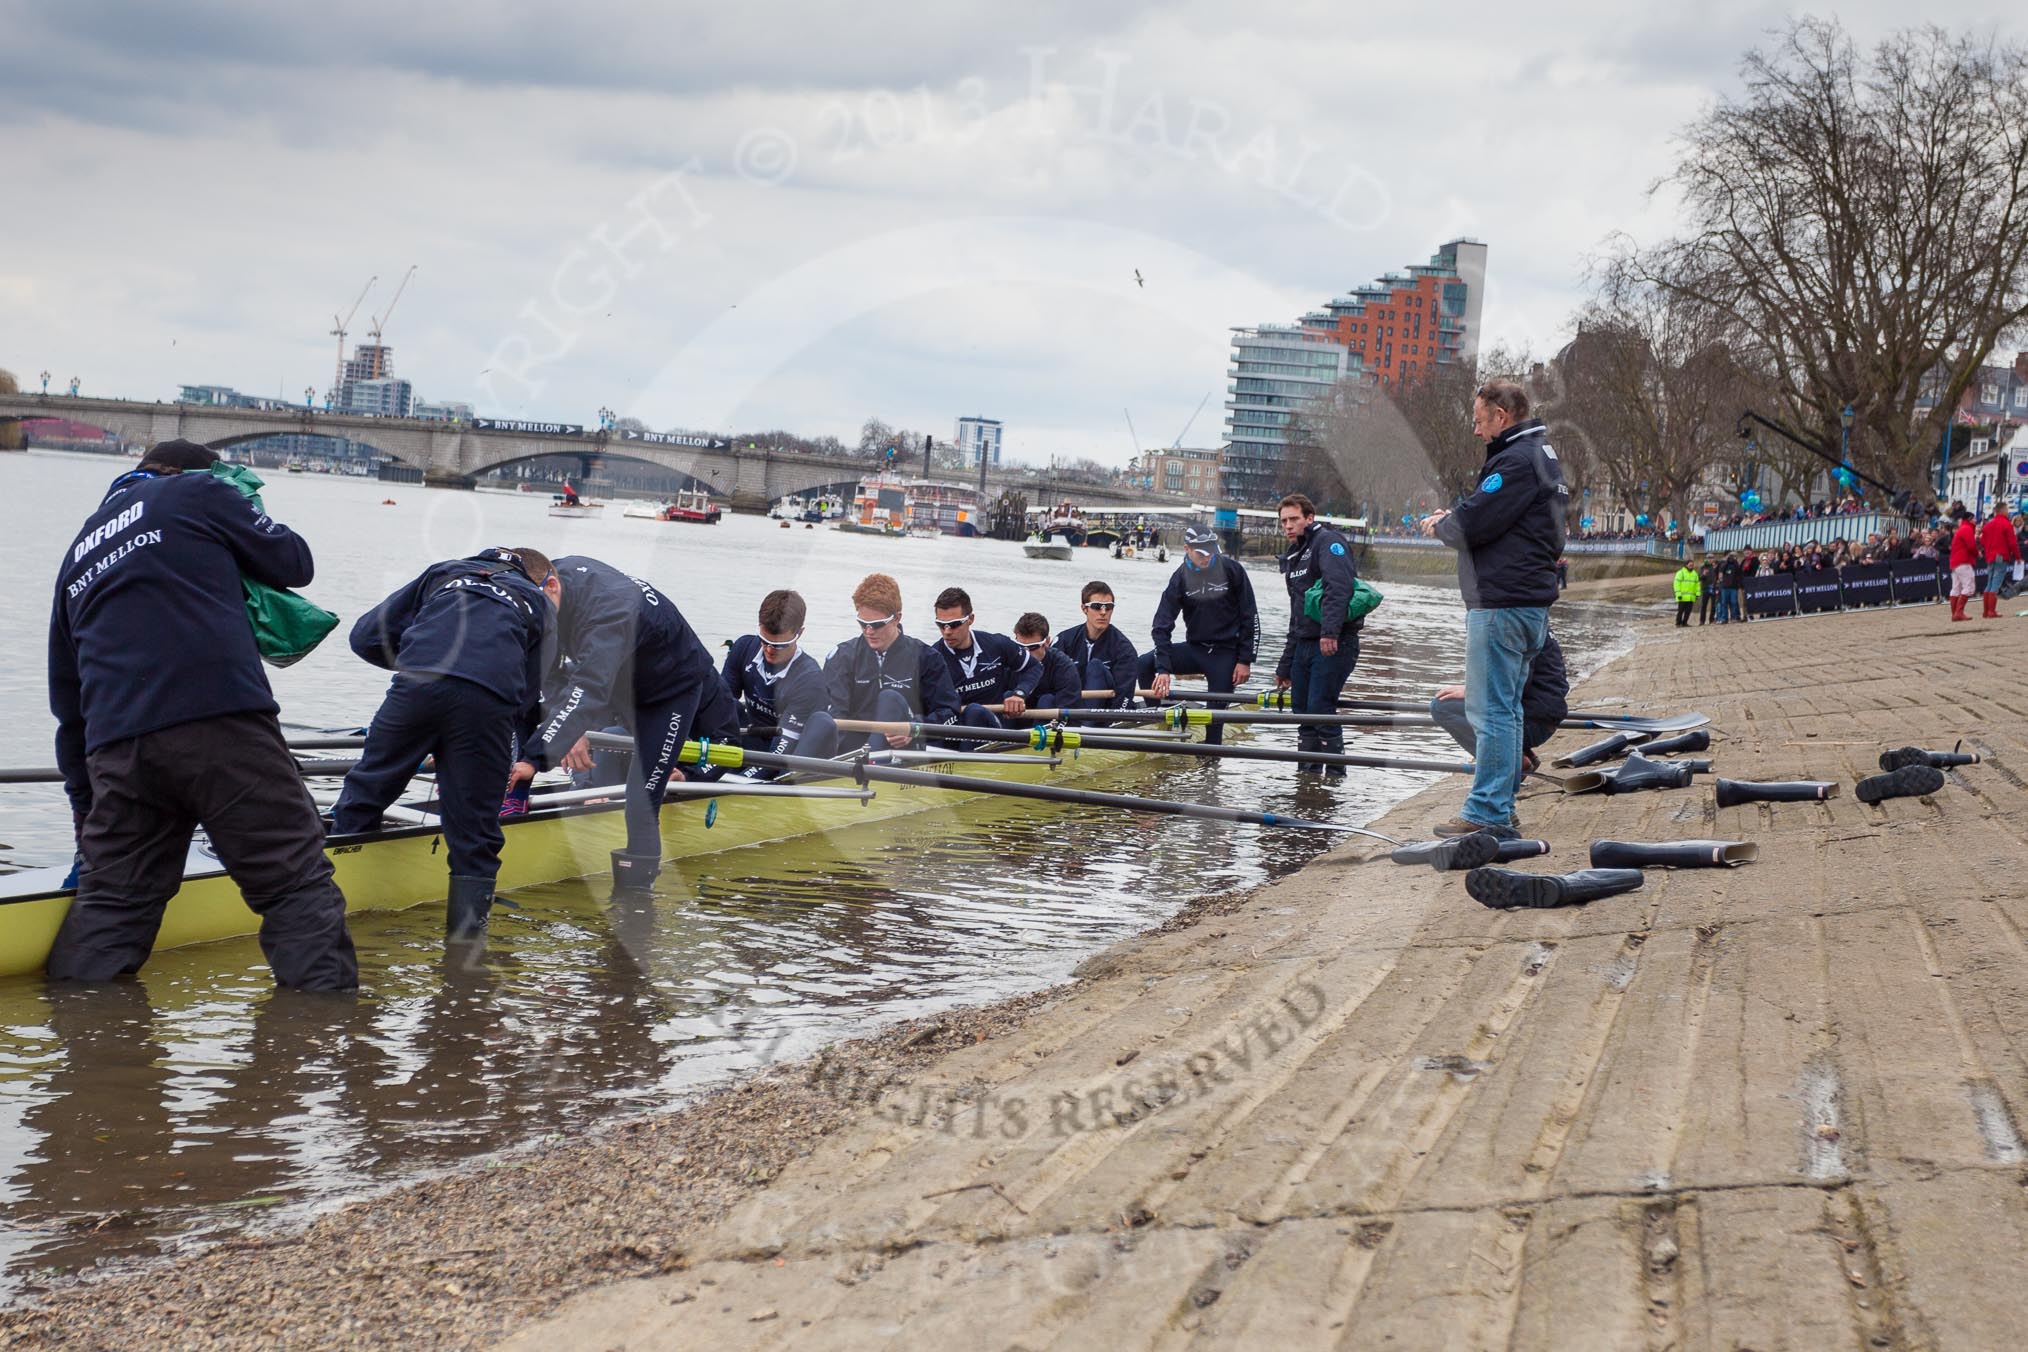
198 1100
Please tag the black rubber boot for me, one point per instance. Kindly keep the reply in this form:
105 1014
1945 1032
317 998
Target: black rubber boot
1910 781
1698 739
1936 760
1443 856
1503 888
1733 792
1672 854
1695 765
466 909
1636 774
1596 752
634 873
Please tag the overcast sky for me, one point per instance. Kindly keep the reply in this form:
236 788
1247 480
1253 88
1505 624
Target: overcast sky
801 214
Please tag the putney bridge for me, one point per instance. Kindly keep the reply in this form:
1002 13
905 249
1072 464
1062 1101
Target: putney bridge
453 455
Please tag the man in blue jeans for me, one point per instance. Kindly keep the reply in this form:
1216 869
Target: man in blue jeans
1319 653
1544 705
1509 532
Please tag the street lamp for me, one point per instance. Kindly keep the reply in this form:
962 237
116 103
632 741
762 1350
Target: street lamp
45 384
310 397
1845 438
74 383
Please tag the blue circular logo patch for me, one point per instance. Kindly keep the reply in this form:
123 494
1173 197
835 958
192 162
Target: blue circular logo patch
1337 548
1492 484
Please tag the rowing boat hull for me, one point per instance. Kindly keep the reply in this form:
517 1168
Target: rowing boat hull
395 869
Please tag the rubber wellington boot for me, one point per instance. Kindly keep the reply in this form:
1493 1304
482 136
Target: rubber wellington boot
1596 752
634 872
1910 781
1696 740
1672 854
1467 852
465 911
1915 755
1637 773
1992 605
1733 792
1503 888
1958 604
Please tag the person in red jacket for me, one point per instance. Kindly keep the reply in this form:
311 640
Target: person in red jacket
1964 560
2003 555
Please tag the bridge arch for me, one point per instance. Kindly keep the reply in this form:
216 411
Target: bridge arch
592 451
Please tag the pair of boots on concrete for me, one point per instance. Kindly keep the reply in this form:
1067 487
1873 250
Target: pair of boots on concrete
1935 760
1616 745
1637 773
1467 852
1958 604
1733 792
1673 854
1908 781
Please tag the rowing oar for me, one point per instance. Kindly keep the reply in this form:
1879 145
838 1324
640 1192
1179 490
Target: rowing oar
1180 716
859 770
1067 739
1574 718
37 774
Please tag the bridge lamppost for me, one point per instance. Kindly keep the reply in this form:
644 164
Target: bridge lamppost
310 398
74 383
45 384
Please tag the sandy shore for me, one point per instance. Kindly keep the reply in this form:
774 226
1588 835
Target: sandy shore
1770 1107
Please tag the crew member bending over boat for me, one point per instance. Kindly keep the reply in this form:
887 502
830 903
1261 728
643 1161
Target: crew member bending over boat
635 658
465 641
1104 656
883 674
775 682
1221 623
1059 686
165 722
986 669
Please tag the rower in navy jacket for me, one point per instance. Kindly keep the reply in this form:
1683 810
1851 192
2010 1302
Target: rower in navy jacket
635 658
883 674
1059 686
1221 623
1104 656
1319 653
165 722
985 668
774 681
465 641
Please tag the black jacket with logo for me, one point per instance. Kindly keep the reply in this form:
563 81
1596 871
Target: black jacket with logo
149 627
855 675
1323 551
1115 651
1061 681
999 667
479 619
783 696
1509 531
1545 698
1217 606
628 647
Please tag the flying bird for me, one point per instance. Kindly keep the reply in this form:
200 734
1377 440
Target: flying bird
1137 278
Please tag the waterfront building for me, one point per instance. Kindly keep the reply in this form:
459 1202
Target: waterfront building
385 397
979 439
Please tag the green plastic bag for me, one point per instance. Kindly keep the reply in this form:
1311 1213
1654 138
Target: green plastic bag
286 626
1365 599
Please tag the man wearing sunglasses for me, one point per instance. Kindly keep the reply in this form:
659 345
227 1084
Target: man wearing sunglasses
1058 686
1221 623
883 675
635 658
1105 659
985 669
775 682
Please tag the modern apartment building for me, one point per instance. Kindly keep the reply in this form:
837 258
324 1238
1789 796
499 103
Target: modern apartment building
979 438
1399 328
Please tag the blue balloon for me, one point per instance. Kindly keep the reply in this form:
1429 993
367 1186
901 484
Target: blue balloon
1586 522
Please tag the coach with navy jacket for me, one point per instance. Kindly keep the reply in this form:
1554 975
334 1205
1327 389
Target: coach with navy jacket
1221 623
165 722
1319 653
465 641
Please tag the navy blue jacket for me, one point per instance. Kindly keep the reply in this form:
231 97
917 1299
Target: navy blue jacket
479 619
628 647
783 696
856 674
1121 660
149 626
1545 698
1061 683
1323 551
1509 531
1000 667
1217 606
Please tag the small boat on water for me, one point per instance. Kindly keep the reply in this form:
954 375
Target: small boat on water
692 505
568 833
574 507
1046 547
879 507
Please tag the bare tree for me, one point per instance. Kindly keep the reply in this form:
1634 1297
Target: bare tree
1861 225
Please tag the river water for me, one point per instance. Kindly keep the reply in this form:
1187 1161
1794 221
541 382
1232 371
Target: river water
171 1110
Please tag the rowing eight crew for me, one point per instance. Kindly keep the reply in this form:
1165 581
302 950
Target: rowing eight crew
504 662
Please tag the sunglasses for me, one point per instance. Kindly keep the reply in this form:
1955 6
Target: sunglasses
958 623
788 642
1042 646
882 623
1100 605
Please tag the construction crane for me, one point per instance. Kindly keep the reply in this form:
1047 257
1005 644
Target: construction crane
1177 444
339 325
380 321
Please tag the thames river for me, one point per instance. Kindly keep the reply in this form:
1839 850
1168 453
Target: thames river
171 1110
